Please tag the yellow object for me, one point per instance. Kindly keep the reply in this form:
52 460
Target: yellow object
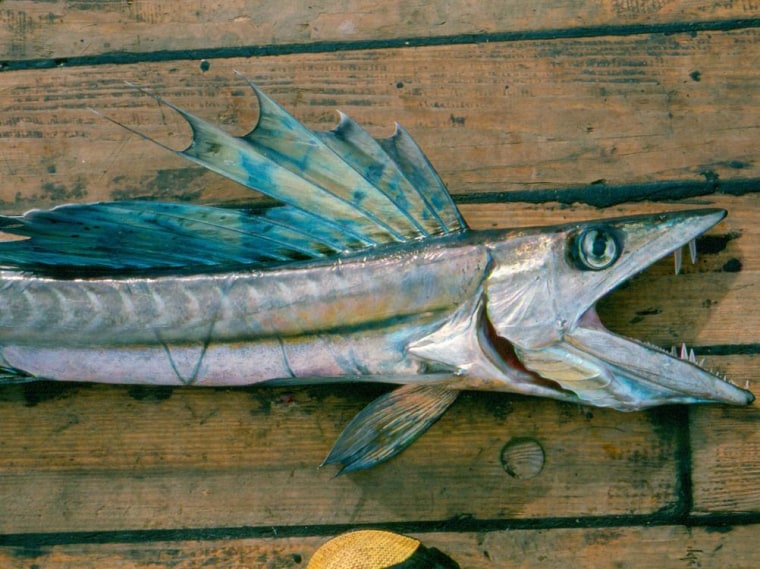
364 549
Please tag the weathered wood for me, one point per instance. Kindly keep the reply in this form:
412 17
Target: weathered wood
725 458
665 547
112 458
508 116
628 547
57 30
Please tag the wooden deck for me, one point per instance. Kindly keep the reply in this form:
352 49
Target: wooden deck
533 113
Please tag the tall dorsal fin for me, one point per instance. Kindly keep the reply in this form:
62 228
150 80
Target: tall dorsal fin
341 190
376 191
423 197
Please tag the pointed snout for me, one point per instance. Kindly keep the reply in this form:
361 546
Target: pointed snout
645 376
647 239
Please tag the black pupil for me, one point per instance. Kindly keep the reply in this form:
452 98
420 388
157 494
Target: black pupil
599 246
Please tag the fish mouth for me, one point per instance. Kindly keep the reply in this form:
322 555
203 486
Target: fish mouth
638 375
590 364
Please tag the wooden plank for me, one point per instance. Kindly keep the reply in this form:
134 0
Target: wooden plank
57 30
56 448
98 458
666 547
610 547
546 114
725 458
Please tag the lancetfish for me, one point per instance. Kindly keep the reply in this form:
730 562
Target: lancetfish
364 271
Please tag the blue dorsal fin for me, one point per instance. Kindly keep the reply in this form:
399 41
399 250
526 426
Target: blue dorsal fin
341 191
389 180
149 236
374 191
366 156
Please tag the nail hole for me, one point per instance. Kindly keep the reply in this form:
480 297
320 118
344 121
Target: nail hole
523 458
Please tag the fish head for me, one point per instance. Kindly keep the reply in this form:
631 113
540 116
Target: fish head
543 328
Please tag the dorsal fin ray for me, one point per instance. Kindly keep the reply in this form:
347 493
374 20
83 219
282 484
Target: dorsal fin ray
385 169
364 153
410 159
236 158
289 144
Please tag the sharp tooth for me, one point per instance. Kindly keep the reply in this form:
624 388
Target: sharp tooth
746 385
701 362
692 356
673 351
693 250
684 352
678 254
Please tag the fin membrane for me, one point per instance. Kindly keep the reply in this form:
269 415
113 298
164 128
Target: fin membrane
383 191
12 376
388 425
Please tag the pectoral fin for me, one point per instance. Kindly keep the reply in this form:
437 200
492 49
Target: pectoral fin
388 425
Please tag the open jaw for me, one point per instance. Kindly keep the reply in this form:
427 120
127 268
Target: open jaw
594 366
641 375
591 365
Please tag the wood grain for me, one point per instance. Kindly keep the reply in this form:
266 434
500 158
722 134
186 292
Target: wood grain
666 547
547 114
97 458
65 29
725 458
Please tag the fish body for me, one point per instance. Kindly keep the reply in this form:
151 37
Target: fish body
301 322
365 272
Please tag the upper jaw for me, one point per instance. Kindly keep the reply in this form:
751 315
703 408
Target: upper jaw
647 240
642 375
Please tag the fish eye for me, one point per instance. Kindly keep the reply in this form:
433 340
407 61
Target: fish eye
596 249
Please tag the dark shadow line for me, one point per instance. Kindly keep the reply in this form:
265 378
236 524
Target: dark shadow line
463 524
727 350
125 58
602 195
684 484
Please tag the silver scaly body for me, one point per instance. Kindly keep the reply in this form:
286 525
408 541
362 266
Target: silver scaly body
240 328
